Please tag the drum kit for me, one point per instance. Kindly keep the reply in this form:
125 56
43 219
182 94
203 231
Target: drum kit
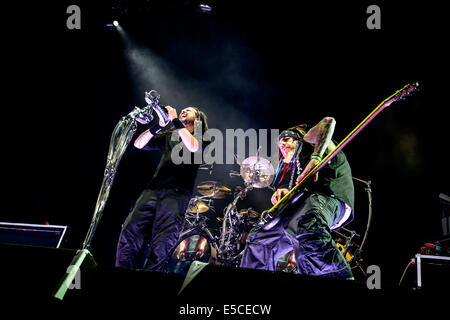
224 246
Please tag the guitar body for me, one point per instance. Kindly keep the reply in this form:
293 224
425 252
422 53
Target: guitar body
273 215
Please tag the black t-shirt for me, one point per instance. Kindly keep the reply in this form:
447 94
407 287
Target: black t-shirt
335 178
170 173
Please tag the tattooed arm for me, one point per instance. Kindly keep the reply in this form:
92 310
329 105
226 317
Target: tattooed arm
320 137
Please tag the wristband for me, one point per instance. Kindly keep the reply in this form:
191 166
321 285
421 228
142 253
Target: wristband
177 124
316 156
155 129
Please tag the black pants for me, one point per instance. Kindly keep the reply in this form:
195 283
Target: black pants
151 230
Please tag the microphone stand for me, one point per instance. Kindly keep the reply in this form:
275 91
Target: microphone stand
120 139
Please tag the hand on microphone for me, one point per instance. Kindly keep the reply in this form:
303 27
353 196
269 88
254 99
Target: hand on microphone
152 99
163 122
171 113
161 112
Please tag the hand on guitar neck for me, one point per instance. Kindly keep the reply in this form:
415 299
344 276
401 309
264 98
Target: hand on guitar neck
278 194
320 137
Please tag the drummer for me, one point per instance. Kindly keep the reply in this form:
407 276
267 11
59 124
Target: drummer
306 225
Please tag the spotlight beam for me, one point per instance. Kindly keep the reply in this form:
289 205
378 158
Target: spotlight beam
149 70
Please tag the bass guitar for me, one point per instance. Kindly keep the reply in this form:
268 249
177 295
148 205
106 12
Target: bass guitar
271 217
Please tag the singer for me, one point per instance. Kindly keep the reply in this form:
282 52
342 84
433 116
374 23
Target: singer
306 224
151 230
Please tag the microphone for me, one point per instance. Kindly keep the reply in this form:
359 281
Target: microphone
152 98
143 116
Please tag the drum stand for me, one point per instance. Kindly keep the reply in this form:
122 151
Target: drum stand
191 205
356 257
229 235
358 251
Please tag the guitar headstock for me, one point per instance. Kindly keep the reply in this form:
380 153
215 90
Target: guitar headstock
402 93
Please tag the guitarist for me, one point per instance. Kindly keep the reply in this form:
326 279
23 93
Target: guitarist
305 225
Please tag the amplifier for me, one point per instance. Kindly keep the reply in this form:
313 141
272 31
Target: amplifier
32 234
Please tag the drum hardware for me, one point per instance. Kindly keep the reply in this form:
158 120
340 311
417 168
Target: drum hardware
348 257
257 172
234 174
199 206
229 234
213 190
196 241
348 242
196 206
249 213
208 167
358 252
226 247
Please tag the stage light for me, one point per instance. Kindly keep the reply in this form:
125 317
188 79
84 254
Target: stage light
204 8
113 26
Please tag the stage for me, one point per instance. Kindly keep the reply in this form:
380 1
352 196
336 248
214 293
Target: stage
31 275
253 68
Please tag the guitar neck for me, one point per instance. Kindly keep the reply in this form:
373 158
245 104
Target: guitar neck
386 102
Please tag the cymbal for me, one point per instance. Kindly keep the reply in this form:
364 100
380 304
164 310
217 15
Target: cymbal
257 171
213 189
199 207
250 212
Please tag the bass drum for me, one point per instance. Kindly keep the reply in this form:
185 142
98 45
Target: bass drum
192 246
287 263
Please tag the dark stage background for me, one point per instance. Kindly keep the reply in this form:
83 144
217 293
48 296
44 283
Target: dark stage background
248 65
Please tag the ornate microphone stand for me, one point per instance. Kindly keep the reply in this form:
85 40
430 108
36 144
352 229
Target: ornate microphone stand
120 138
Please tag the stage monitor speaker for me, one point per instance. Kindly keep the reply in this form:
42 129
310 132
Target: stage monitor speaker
32 234
31 273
